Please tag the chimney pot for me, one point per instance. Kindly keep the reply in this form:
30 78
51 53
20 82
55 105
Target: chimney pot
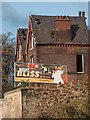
83 14
64 17
67 17
79 13
57 17
60 17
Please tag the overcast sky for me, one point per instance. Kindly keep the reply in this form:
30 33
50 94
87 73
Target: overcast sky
15 14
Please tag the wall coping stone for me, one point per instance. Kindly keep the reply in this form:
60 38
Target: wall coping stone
12 91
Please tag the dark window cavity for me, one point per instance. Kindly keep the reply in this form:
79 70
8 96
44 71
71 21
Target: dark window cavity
80 63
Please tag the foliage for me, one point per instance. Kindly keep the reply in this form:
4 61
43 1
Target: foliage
7 61
6 86
24 84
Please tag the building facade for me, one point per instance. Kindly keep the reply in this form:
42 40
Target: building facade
60 40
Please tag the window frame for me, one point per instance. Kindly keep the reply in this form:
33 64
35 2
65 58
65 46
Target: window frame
82 62
20 53
32 59
32 42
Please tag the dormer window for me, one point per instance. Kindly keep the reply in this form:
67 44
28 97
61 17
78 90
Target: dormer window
37 21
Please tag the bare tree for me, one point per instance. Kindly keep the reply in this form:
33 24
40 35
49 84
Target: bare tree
8 46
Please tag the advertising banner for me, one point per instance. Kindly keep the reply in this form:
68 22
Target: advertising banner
51 73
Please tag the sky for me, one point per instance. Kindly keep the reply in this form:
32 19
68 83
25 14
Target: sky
15 14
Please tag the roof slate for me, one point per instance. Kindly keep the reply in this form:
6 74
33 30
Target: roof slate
43 26
89 35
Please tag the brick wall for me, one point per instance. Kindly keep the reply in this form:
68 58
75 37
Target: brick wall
32 53
63 24
63 55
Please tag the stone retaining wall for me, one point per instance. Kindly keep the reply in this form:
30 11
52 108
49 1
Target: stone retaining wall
12 104
1 101
66 101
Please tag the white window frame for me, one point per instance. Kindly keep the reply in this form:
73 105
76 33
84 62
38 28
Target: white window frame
32 59
82 63
32 42
20 50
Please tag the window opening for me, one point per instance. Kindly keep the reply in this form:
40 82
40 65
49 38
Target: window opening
80 63
32 42
32 59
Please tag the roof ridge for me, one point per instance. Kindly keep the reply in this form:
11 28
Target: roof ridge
42 15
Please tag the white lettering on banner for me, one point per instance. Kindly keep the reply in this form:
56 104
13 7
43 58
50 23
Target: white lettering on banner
19 73
27 73
37 74
32 73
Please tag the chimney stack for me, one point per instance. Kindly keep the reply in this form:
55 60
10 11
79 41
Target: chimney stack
62 22
79 13
83 14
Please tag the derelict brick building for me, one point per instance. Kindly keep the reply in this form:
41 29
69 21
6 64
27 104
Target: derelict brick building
56 40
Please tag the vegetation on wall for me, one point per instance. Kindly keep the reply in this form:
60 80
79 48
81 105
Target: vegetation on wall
66 101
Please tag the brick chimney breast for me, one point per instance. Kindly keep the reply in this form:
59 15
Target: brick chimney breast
62 29
62 23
